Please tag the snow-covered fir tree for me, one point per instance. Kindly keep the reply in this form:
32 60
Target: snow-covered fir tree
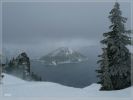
20 65
104 75
0 69
115 64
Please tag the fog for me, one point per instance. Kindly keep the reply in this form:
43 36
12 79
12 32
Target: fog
40 27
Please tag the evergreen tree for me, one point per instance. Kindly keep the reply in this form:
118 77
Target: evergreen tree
115 65
0 68
24 61
20 65
104 74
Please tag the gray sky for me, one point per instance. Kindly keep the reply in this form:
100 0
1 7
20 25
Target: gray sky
40 27
0 28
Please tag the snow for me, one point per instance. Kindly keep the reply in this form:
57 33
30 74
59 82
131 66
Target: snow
70 50
64 62
53 63
15 87
79 60
65 50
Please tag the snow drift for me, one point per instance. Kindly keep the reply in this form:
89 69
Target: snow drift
15 87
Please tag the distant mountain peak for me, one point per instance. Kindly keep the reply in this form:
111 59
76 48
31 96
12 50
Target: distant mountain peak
63 50
63 55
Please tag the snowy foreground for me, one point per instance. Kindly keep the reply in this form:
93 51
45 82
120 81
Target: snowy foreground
14 87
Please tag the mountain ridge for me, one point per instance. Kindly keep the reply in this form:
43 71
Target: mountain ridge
63 55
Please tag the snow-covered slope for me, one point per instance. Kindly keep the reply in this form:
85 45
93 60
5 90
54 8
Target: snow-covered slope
13 86
63 55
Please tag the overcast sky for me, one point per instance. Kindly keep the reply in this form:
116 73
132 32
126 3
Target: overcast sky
40 27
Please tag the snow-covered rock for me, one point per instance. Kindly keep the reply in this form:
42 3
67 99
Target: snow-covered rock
63 55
